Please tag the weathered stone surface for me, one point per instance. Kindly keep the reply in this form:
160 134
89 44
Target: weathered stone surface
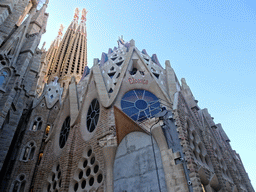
134 167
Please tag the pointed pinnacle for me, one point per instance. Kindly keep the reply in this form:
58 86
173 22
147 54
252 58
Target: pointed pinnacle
60 30
84 12
76 14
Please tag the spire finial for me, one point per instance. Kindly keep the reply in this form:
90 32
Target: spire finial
43 45
76 15
84 12
60 30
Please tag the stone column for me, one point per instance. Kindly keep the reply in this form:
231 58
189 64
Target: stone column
162 144
109 153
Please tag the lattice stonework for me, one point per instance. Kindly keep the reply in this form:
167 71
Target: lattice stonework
198 148
111 65
54 180
88 176
221 162
112 68
156 70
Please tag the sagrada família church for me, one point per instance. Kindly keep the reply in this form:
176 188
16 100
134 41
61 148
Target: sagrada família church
125 124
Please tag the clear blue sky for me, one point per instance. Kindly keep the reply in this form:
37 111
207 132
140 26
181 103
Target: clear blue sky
211 43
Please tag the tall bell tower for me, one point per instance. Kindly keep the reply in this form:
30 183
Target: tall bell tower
71 56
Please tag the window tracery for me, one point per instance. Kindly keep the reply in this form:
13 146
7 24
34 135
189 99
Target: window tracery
140 104
37 124
19 184
93 115
54 180
88 175
28 151
64 132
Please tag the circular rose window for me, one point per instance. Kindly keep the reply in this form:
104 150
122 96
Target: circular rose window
64 132
93 115
140 104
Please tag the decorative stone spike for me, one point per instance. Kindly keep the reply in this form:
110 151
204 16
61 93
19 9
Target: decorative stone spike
84 12
155 59
104 58
184 83
188 94
144 52
86 72
60 30
43 45
76 14
167 63
110 51
127 45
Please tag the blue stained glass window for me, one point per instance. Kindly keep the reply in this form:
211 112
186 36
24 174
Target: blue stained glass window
140 104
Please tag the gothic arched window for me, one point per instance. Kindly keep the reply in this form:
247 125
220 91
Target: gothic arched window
19 184
4 76
37 124
29 151
64 132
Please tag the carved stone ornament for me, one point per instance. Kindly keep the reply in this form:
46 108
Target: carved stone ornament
53 93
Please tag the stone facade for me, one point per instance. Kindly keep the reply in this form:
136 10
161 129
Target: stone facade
126 124
20 66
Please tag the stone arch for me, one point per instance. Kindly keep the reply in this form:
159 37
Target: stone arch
28 151
36 124
19 183
134 165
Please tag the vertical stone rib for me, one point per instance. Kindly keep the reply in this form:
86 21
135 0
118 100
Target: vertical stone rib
63 51
82 56
78 54
69 58
53 50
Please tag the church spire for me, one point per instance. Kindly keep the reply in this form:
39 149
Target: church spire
76 57
52 51
71 57
74 23
57 63
82 25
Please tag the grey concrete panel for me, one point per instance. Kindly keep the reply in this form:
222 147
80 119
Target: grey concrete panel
134 166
